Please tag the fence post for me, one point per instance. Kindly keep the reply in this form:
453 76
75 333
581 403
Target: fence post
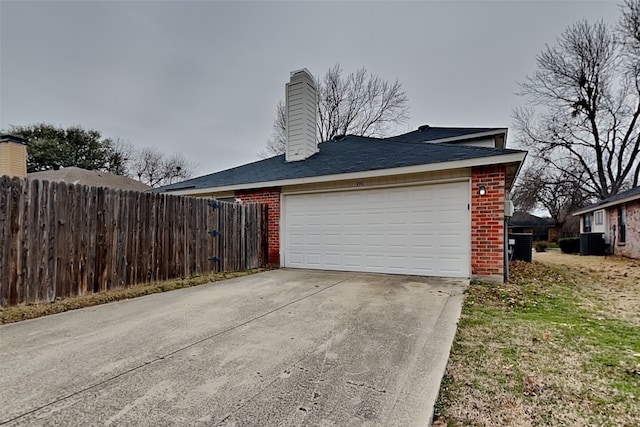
61 240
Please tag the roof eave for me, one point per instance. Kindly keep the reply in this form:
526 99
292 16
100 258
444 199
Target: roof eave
14 139
511 180
597 207
479 135
430 167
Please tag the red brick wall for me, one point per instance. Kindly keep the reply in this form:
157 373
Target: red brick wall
487 222
270 196
631 248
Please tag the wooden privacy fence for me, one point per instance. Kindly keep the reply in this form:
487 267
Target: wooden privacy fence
60 240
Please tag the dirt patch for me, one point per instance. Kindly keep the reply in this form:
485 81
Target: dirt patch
614 280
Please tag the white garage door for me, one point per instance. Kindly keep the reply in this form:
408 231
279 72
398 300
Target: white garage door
420 230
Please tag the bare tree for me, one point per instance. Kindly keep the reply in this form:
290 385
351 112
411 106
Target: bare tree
360 103
120 157
584 105
152 167
542 188
277 144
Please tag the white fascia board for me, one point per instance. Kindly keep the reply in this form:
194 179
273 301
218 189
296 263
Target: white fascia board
515 176
500 131
432 167
607 205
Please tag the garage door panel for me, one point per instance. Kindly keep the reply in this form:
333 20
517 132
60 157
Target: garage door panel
373 218
295 258
374 241
295 240
422 230
352 261
450 216
314 259
314 240
352 219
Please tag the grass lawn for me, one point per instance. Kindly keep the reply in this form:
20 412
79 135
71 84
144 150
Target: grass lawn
551 347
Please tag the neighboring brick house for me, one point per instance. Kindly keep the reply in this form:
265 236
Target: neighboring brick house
540 227
429 202
13 156
618 217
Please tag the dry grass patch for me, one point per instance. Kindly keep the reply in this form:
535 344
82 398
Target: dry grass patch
531 353
614 282
31 311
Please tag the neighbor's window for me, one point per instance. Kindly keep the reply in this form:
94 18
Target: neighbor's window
586 223
598 217
622 224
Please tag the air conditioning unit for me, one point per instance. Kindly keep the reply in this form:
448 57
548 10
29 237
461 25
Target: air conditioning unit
508 208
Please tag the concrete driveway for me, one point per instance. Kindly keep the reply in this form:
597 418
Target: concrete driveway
284 347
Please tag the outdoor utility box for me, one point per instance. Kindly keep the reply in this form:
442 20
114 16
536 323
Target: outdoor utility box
520 246
509 209
592 244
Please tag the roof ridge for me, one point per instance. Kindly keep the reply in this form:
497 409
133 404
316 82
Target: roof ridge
461 127
439 144
348 155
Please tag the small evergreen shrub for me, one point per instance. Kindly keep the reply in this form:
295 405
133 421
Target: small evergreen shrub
541 246
570 245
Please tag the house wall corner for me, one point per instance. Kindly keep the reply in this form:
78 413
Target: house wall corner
270 197
488 223
13 159
631 246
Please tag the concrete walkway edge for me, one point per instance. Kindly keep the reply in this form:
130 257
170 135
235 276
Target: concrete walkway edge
445 332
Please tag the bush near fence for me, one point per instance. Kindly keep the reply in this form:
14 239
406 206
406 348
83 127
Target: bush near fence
569 245
61 240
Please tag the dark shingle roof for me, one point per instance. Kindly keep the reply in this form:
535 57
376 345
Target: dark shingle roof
11 138
635 191
350 154
428 133
75 175
525 219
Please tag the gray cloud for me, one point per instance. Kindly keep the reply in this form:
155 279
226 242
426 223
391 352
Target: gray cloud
203 77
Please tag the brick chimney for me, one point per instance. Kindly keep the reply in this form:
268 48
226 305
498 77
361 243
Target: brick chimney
13 156
301 112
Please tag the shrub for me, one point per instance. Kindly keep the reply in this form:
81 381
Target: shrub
541 246
570 245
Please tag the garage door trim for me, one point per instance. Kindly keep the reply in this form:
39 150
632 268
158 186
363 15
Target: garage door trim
283 213
376 187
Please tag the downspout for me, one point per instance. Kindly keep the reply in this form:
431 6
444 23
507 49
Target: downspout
506 249
508 213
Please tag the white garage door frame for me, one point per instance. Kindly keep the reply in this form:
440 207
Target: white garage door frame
465 264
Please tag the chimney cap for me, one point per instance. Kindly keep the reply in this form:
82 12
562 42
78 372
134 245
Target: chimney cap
300 71
301 75
11 138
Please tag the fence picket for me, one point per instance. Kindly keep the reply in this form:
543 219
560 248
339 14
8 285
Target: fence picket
63 240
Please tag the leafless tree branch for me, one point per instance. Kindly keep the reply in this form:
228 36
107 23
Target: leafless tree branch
584 105
153 168
359 103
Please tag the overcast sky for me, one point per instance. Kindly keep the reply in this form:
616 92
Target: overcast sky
203 77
